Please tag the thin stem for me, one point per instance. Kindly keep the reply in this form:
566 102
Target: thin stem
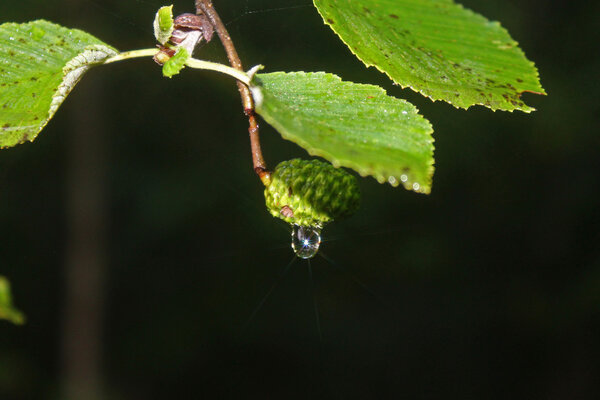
192 63
206 7
211 66
127 55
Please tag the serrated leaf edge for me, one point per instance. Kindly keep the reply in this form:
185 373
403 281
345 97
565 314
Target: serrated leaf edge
74 70
380 176
527 109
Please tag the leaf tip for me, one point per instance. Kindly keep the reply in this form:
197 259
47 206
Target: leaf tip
163 24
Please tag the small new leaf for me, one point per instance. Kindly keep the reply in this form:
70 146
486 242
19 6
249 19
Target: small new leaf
349 124
7 311
163 24
176 63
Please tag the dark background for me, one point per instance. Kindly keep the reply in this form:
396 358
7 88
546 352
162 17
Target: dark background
136 224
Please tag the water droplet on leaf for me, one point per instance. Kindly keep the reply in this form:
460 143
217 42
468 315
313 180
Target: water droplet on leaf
306 241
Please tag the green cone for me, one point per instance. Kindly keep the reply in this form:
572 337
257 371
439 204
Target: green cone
311 193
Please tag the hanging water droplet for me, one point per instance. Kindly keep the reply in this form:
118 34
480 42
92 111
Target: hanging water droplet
306 241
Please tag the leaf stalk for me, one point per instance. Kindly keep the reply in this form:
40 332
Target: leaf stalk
192 63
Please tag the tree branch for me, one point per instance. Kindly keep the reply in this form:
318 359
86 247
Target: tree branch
206 7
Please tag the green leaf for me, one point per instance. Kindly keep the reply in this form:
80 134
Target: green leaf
437 48
7 311
352 125
40 63
176 63
163 24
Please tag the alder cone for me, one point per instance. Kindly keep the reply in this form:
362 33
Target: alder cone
311 193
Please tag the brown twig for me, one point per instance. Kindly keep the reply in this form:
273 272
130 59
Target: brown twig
206 7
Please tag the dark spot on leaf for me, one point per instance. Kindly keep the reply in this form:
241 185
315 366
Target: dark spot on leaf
519 80
33 95
365 9
330 21
393 16
6 126
11 53
290 191
34 78
3 84
22 40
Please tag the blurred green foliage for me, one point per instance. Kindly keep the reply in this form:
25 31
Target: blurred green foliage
7 310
